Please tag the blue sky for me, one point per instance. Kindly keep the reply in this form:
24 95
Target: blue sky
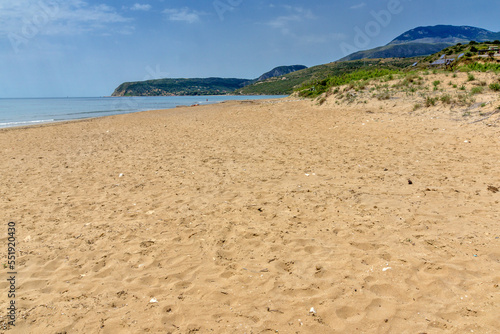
58 48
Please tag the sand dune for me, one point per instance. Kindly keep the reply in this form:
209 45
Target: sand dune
241 217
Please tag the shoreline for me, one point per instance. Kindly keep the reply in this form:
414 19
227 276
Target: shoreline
44 123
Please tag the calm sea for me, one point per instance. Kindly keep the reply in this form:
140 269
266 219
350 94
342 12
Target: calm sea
21 112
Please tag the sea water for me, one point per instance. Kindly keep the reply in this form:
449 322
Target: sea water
22 112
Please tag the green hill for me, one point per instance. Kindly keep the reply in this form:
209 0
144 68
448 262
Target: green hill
286 84
179 87
197 86
474 56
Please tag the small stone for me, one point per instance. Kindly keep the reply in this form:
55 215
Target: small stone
493 189
312 311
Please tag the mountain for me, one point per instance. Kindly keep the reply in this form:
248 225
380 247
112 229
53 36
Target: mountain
398 51
446 34
423 41
280 71
196 86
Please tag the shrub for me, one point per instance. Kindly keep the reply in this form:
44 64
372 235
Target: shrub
465 99
481 67
316 88
476 90
384 96
436 83
470 77
417 106
446 99
430 101
495 87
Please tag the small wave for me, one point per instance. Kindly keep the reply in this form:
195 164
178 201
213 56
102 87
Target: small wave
95 112
7 124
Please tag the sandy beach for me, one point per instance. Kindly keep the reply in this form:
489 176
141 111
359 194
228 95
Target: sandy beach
277 216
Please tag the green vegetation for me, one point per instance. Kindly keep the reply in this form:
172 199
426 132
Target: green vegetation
167 87
476 90
385 95
289 83
446 99
495 87
397 51
319 87
203 86
481 67
383 82
465 99
430 101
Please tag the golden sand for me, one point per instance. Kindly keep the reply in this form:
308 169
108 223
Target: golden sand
254 217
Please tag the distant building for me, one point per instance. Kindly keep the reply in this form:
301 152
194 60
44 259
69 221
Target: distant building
494 49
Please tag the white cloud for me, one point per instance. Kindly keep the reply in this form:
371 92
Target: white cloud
28 18
295 14
295 25
359 6
323 39
141 7
182 15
